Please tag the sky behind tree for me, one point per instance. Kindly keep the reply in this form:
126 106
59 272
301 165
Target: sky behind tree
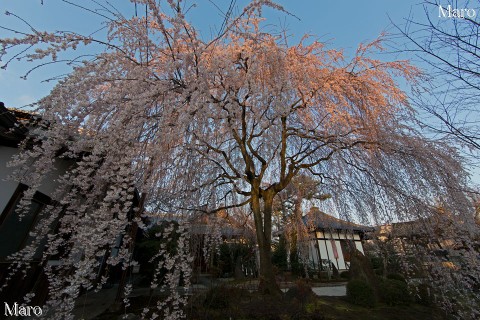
341 24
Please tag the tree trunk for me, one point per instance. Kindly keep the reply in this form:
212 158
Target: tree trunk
263 226
268 284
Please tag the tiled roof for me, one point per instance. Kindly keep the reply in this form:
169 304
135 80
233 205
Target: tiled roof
320 220
12 128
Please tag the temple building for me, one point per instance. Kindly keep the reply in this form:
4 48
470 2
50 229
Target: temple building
332 240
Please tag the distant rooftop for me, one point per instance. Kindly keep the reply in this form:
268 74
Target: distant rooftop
321 220
13 125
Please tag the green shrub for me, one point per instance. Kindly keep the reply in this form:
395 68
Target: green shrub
324 275
394 292
345 274
296 265
148 246
230 257
280 254
396 276
360 293
423 294
220 297
377 263
301 292
216 298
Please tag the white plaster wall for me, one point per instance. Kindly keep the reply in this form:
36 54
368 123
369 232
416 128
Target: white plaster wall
358 245
326 249
330 253
323 249
341 260
50 182
7 187
313 253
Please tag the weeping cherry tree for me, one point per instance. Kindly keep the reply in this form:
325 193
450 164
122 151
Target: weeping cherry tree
200 126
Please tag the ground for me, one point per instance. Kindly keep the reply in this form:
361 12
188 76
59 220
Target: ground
236 301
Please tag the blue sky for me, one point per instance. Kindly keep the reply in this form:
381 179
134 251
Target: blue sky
342 24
